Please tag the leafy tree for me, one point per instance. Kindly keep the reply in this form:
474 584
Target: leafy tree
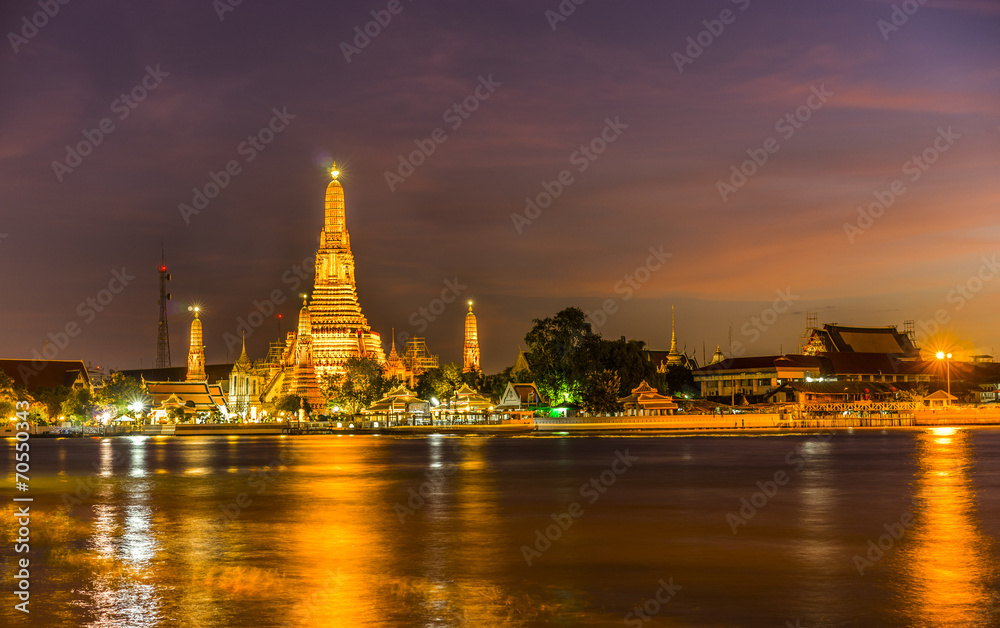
121 391
10 394
79 405
177 415
554 345
52 397
362 384
600 395
678 380
290 404
441 382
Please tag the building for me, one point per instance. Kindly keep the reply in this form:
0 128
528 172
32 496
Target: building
647 401
339 330
833 338
470 351
246 385
521 398
35 374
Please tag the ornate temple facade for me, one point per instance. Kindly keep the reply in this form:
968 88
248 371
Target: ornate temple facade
471 350
339 331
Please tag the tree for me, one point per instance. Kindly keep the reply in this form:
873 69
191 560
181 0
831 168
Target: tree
290 404
79 405
441 382
554 346
8 396
600 395
678 379
362 384
52 397
121 391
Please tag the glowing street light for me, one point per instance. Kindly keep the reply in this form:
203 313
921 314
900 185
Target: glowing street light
941 355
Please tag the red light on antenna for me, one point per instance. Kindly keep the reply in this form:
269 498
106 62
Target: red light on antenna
163 269
279 315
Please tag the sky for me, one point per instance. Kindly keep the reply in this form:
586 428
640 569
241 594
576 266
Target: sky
746 162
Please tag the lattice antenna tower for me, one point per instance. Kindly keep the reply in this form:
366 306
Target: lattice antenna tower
812 323
163 337
910 329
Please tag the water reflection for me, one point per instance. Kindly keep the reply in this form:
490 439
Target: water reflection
948 556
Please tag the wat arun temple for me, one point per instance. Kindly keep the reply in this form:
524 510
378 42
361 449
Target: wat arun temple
331 329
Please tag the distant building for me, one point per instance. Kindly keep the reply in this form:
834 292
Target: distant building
833 338
520 398
647 401
663 360
35 374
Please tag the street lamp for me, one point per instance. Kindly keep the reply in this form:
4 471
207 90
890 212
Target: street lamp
941 355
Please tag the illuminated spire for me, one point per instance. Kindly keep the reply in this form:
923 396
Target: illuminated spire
196 351
471 350
673 357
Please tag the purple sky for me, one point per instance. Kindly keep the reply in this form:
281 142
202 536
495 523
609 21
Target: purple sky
889 96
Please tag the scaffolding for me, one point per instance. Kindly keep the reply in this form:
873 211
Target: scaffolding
417 358
812 323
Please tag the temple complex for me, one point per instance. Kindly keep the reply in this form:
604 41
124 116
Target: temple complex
471 350
339 331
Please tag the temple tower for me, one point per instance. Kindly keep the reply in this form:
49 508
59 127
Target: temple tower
339 330
471 351
673 356
302 378
196 352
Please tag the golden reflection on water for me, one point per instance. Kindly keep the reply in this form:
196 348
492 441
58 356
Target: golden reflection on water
947 555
